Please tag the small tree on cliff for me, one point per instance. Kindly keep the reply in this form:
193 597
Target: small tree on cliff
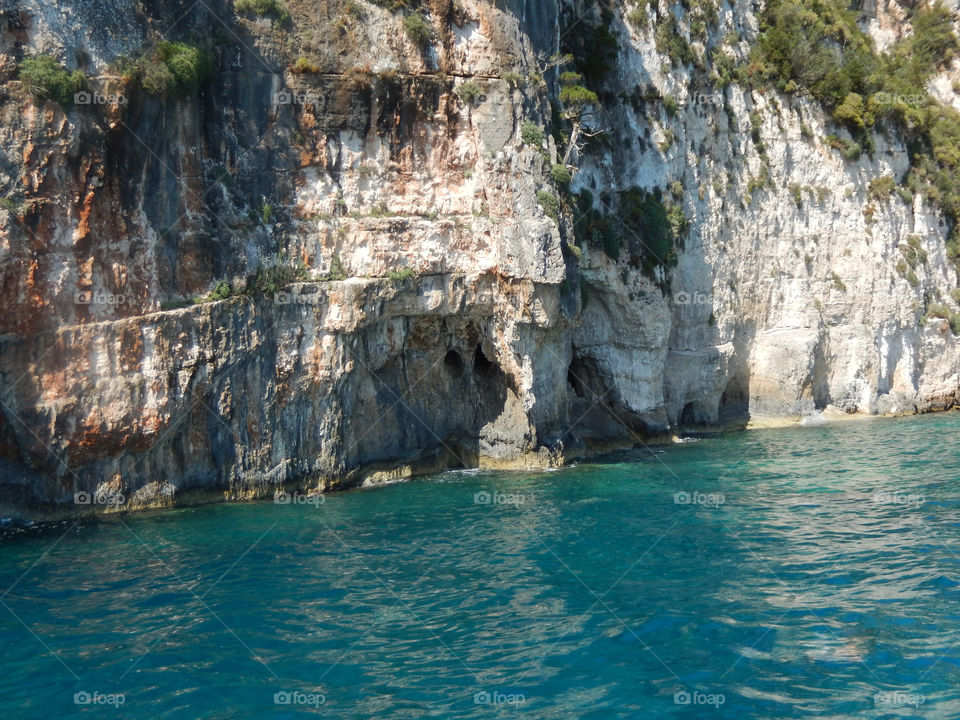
576 101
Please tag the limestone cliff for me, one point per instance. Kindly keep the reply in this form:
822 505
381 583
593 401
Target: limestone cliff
349 252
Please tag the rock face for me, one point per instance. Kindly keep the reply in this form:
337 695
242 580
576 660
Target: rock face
386 289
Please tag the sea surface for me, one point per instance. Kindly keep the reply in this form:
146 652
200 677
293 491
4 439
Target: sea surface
806 572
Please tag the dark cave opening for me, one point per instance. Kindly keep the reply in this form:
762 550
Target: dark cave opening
453 362
482 365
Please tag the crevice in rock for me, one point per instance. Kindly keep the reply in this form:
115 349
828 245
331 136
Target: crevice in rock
734 408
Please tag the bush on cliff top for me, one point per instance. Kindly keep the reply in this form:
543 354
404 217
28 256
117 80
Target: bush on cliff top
171 68
264 8
816 46
418 30
46 79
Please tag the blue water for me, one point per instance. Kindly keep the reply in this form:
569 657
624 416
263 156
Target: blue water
814 575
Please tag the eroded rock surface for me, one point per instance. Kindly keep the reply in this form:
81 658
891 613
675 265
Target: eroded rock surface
432 313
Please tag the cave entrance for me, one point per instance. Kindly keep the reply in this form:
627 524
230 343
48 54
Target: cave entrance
734 406
453 362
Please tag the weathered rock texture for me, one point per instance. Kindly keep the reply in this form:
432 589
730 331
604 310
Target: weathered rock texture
465 331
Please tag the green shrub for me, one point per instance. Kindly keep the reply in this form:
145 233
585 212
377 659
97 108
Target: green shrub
938 310
577 96
551 206
336 268
638 16
670 105
652 229
561 175
271 279
266 213
591 226
172 68
913 252
531 133
418 30
221 292
400 276
188 64
264 8
469 92
667 141
46 79
880 188
671 42
303 65
853 112
850 148
513 79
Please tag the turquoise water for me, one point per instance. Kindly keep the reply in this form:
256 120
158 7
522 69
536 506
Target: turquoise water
814 575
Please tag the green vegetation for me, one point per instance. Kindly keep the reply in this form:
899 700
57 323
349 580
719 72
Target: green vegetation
400 276
273 278
266 213
171 68
653 229
303 65
561 175
550 204
418 30
593 48
815 46
337 271
670 105
593 227
222 291
667 141
577 96
531 133
469 92
913 252
648 229
273 9
670 41
513 79
881 188
638 16
46 79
